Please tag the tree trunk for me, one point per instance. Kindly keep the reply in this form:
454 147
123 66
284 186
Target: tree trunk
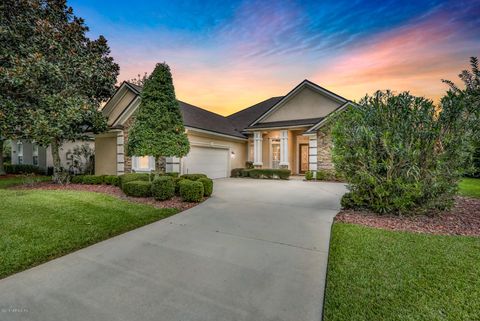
2 168
57 166
160 164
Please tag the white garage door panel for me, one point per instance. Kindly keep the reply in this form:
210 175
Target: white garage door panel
210 161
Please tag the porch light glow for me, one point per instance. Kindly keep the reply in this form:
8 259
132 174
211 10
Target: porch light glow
232 154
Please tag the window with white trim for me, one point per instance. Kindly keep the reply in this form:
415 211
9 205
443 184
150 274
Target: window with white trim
20 153
143 163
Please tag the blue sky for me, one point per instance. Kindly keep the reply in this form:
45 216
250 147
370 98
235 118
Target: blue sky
226 55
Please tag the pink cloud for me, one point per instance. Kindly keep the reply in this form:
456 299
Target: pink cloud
414 58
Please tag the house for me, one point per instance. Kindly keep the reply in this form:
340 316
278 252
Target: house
281 132
28 153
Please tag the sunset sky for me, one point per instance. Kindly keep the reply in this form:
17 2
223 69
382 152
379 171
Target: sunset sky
228 55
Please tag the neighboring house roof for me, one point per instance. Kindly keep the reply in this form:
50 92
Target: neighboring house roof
237 124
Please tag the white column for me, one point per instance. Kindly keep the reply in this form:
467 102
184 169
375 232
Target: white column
120 154
257 149
284 148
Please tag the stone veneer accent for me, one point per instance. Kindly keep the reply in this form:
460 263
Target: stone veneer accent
324 149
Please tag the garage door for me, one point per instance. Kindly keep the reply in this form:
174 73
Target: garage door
206 160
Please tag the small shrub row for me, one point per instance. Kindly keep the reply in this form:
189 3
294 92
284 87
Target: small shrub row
23 169
261 173
95 179
324 175
164 187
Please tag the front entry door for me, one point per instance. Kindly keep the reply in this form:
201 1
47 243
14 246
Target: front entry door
303 158
275 156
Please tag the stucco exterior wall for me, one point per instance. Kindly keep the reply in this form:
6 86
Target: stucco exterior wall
307 103
238 147
106 155
120 107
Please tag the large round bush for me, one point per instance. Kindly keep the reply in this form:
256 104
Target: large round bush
163 188
137 188
191 191
207 185
398 153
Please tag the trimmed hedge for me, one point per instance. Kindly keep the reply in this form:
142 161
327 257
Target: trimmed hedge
262 173
177 181
137 188
193 177
308 175
237 172
163 188
93 179
207 186
23 169
173 174
191 191
131 177
112 180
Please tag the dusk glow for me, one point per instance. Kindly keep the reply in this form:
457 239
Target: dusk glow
227 55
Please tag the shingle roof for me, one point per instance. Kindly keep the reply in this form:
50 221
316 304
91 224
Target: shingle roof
293 122
200 118
203 119
245 117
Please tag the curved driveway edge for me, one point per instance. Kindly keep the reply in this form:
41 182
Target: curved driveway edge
256 250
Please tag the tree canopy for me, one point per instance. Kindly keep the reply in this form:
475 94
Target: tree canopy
158 126
56 76
399 153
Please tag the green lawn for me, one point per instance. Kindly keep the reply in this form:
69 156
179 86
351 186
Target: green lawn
384 275
37 226
470 187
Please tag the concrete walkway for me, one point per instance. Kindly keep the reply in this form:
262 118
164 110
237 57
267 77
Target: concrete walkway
257 250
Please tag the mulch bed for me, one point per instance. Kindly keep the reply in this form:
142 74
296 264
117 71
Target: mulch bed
175 202
463 219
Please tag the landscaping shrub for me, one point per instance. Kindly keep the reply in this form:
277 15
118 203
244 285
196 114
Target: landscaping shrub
177 181
249 165
308 175
193 177
77 179
112 180
23 169
137 188
191 191
173 174
266 173
163 188
236 172
207 186
93 179
399 153
125 178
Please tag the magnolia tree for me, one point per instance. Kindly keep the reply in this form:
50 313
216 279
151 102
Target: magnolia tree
158 126
400 152
58 75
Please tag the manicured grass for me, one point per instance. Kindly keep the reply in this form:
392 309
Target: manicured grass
37 226
375 274
17 180
470 187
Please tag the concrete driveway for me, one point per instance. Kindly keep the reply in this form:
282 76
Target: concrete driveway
257 250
